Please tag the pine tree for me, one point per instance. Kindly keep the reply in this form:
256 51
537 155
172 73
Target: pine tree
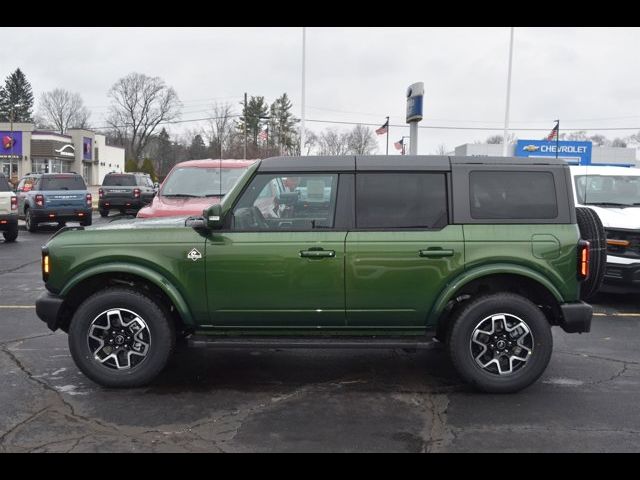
256 108
16 91
283 124
197 150
164 152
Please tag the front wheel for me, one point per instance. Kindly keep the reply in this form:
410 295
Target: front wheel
500 343
121 338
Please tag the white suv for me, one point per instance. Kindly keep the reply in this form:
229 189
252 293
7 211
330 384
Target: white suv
614 194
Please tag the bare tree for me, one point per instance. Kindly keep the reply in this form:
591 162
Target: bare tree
61 110
362 141
619 142
333 142
139 104
442 149
219 129
494 140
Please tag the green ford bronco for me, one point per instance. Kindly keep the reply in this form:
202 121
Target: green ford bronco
484 254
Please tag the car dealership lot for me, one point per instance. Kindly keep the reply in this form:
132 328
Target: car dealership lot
309 400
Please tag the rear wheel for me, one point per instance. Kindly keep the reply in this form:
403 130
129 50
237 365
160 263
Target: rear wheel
11 235
121 338
31 224
87 221
104 213
500 343
592 230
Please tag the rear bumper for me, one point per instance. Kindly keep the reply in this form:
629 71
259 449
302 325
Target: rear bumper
48 309
576 317
55 214
8 222
117 203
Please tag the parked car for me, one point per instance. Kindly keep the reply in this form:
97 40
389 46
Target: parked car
614 194
125 192
8 210
483 253
193 185
53 197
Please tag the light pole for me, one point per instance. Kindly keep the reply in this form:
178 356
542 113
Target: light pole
11 115
506 113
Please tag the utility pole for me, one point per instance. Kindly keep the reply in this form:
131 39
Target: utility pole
245 125
304 45
387 135
506 113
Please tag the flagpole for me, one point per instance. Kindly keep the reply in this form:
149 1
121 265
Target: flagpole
304 45
506 113
557 137
387 135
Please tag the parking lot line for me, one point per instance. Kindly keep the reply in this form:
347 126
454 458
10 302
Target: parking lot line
616 314
17 306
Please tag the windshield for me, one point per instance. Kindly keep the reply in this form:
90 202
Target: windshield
63 182
200 182
623 190
119 181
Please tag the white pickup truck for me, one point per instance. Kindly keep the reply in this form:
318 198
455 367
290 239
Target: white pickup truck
614 194
8 210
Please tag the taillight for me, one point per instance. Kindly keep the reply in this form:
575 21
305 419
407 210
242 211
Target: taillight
100 193
88 199
40 200
583 260
14 203
136 193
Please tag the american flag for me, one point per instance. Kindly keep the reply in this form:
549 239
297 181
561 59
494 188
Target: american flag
383 129
553 134
398 144
264 134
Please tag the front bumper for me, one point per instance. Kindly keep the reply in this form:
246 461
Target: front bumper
576 317
621 278
8 222
48 309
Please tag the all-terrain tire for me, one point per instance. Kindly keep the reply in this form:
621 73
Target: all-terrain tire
592 230
159 332
488 310
32 225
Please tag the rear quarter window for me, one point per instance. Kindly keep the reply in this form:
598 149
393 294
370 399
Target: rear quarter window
512 195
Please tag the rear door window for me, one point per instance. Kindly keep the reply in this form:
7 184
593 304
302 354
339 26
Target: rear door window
512 195
401 200
63 182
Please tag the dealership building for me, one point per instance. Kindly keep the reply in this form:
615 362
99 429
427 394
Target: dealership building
25 149
574 152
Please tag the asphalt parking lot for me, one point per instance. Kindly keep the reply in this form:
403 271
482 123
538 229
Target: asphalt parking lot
310 400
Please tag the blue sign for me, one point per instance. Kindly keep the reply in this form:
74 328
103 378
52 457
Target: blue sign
414 109
578 153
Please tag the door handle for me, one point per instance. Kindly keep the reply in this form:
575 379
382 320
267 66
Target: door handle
435 253
319 253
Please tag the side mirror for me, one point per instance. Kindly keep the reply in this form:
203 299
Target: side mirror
213 216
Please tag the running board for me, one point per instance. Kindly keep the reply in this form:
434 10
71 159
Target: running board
422 342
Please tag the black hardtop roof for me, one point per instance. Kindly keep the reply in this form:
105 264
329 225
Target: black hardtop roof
128 173
389 162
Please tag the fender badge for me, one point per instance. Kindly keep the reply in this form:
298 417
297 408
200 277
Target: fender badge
194 255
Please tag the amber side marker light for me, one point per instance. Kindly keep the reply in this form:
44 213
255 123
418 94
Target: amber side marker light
46 267
618 243
583 260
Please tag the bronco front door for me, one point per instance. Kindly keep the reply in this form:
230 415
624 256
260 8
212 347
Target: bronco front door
281 261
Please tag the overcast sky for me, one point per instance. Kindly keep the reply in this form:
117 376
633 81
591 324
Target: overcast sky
586 77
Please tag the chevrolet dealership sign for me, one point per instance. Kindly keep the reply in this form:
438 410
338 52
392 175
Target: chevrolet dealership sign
573 152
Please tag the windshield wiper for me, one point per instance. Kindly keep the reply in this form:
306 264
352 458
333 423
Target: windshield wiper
180 195
215 194
611 204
